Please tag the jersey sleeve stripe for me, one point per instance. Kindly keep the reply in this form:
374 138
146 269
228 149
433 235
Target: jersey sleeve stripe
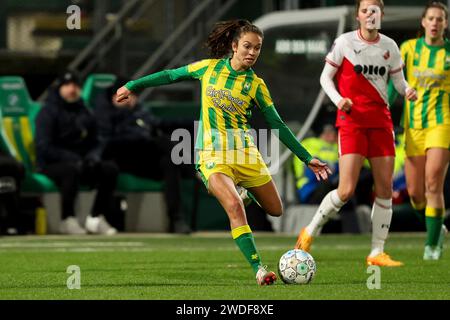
332 63
396 70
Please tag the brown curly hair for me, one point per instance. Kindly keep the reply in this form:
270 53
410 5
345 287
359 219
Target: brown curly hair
225 33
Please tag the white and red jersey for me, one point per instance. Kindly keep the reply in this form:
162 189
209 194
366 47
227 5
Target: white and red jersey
363 73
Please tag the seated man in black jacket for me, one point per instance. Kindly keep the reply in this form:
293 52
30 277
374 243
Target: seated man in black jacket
131 139
11 174
69 152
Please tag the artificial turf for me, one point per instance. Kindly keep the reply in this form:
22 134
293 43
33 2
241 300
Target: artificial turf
209 266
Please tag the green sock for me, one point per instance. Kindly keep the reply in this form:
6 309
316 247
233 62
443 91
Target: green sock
244 239
434 219
419 210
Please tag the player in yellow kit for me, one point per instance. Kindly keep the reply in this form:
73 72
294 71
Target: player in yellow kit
228 157
427 123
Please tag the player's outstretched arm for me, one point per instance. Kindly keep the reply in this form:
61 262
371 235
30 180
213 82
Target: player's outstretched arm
153 80
320 169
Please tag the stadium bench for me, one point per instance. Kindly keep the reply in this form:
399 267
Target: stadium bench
95 84
146 206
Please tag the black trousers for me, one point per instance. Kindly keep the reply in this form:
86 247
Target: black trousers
150 158
9 198
70 176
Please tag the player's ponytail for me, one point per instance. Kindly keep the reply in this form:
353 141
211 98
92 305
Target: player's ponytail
225 33
432 4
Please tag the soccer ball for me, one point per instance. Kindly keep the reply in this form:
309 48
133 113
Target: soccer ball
296 267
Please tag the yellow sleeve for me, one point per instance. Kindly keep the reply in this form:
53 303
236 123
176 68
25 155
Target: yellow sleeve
198 69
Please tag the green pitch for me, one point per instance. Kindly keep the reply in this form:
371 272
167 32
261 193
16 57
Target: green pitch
209 266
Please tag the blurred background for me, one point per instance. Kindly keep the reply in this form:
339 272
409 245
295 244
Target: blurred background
138 37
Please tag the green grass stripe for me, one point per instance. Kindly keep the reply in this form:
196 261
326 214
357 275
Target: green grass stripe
439 107
210 266
425 101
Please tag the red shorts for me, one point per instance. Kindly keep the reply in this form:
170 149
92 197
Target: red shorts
368 142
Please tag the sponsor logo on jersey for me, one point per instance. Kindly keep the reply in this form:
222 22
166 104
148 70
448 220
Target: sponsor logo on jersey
370 70
357 51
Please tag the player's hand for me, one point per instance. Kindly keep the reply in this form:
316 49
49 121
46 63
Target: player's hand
122 94
411 94
345 105
320 169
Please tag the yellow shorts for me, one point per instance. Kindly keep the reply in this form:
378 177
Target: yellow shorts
245 166
418 141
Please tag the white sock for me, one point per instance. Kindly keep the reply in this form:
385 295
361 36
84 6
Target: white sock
381 221
330 205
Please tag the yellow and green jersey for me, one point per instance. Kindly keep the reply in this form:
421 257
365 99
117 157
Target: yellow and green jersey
227 98
427 71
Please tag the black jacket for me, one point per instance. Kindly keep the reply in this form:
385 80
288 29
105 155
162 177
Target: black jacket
65 132
117 124
124 124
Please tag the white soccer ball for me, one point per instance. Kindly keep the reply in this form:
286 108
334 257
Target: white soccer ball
297 267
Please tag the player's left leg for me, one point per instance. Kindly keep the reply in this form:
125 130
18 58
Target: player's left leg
382 170
223 188
268 198
435 171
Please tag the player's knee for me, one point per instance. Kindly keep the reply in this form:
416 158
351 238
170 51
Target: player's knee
346 193
433 185
416 193
235 207
276 211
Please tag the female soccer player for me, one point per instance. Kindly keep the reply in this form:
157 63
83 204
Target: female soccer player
362 61
228 157
427 123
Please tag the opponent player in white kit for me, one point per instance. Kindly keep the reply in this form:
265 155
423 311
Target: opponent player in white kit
362 62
